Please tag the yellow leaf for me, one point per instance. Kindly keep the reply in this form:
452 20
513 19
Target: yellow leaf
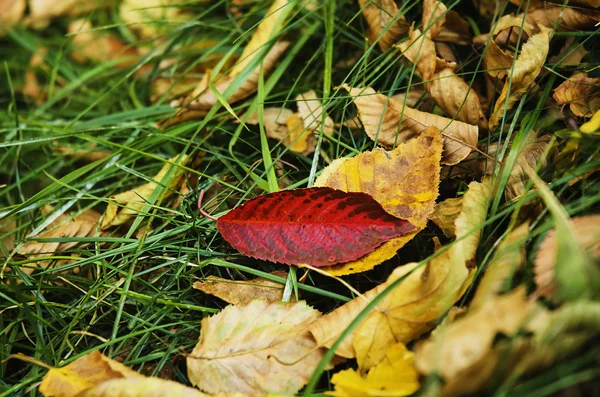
394 376
256 349
385 22
419 49
404 181
82 374
152 17
445 214
144 387
123 206
42 11
587 231
582 93
299 139
413 306
11 12
527 66
434 17
593 125
391 123
266 31
239 292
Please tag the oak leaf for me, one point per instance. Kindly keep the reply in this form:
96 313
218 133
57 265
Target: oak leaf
386 23
526 68
123 206
394 376
256 349
239 292
390 123
587 231
426 293
404 181
581 93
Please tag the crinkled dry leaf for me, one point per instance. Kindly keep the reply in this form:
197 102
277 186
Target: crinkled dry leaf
445 214
11 13
404 181
241 292
391 123
152 17
582 93
434 17
266 30
82 374
256 349
394 376
385 22
571 54
455 29
274 120
454 350
527 66
419 49
123 206
529 157
144 387
509 257
562 18
426 293
587 231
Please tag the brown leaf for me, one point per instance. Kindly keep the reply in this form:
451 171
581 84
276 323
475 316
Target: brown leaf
445 214
411 309
455 29
582 93
562 18
434 17
148 17
527 66
310 110
489 8
274 120
385 20
587 231
239 292
32 88
390 123
256 349
11 13
420 51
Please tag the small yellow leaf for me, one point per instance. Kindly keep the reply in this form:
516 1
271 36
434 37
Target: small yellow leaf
143 387
124 206
404 181
391 123
582 93
299 139
239 292
593 125
386 24
394 376
413 306
82 374
445 214
526 68
275 121
256 349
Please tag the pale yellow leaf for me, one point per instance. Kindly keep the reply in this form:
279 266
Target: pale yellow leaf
526 68
390 123
412 308
404 181
385 22
581 93
143 387
239 292
125 206
445 214
274 120
11 13
394 376
256 349
310 110
150 18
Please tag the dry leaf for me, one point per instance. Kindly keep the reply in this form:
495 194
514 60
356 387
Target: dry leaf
124 206
529 157
394 376
587 231
571 54
11 13
527 66
266 30
420 51
582 93
152 17
489 8
144 387
555 16
404 181
241 292
445 214
7 234
455 29
310 110
386 24
256 349
42 11
434 17
32 88
426 293
391 123
88 155
274 120
510 256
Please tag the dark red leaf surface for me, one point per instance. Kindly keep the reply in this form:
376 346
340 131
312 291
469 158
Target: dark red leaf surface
317 226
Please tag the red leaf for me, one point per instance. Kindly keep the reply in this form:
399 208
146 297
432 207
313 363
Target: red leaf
316 226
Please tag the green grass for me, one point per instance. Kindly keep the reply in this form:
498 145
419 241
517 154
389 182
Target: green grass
132 297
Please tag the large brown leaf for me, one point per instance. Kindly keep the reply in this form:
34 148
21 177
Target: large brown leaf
581 93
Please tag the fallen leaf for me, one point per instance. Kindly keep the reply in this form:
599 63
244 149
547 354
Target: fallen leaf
150 18
145 387
582 93
592 125
274 120
587 231
394 376
571 54
11 13
237 292
445 52
310 111
434 17
32 88
386 23
317 226
404 181
124 206
555 16
445 214
256 349
390 123
489 8
87 155
527 66
455 29
266 30
419 49
82 374
411 309
510 256
42 11
7 234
